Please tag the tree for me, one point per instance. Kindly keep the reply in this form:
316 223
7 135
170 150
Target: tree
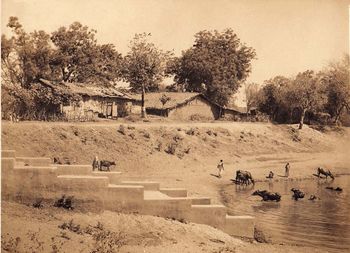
144 66
305 93
25 56
271 98
79 58
251 91
217 60
336 81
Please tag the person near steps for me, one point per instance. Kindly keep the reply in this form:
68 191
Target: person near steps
220 168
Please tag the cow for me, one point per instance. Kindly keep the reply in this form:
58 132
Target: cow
106 164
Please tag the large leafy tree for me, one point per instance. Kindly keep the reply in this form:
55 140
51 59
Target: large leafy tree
270 98
25 56
144 66
305 93
336 79
215 65
79 58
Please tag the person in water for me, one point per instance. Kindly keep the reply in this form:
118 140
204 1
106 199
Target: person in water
271 174
287 167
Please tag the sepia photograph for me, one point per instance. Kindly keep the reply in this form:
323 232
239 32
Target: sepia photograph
175 126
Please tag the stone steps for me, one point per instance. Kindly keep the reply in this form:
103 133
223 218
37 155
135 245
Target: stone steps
106 190
174 192
148 185
34 161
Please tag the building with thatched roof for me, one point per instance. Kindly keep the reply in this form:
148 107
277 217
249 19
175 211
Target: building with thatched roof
181 106
93 100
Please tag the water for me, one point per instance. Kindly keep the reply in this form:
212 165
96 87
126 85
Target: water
322 223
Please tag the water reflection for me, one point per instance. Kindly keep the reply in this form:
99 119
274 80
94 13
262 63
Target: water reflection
321 223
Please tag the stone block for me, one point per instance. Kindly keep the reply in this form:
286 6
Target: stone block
174 192
242 226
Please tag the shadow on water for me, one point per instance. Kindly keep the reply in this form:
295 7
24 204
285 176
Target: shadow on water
322 223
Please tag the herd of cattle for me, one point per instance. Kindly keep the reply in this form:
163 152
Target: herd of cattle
245 178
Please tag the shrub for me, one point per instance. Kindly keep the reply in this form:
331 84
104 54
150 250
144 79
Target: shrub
38 203
192 131
65 202
171 148
122 129
71 227
199 117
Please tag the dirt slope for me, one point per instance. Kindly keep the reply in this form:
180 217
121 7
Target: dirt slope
27 229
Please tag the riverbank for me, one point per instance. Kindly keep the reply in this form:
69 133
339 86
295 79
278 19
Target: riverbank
50 229
183 155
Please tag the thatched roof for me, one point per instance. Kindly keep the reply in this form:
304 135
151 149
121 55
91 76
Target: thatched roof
84 89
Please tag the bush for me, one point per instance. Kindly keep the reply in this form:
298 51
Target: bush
199 117
71 227
192 131
171 148
64 202
122 129
38 203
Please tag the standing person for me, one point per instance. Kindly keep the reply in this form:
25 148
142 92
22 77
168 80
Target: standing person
95 164
287 167
220 167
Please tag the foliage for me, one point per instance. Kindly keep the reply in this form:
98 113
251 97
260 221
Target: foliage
164 99
144 64
336 80
25 57
79 58
306 94
251 91
270 98
215 65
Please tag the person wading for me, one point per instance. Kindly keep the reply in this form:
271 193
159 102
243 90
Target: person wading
220 168
287 167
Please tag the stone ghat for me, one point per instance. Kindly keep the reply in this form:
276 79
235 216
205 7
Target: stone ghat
35 177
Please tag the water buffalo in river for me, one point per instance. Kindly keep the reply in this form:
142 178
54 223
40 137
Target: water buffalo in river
297 194
244 177
338 189
327 173
266 196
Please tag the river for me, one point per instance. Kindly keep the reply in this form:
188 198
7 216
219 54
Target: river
323 223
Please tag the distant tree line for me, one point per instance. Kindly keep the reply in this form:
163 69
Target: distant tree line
325 94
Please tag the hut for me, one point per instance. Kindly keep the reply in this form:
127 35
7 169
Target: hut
92 100
181 106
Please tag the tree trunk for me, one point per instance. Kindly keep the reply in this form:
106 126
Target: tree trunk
143 109
302 119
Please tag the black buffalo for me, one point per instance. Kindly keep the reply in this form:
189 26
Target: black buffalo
106 164
244 177
268 196
327 173
297 194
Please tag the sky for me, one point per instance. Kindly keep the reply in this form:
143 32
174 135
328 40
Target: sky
289 36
